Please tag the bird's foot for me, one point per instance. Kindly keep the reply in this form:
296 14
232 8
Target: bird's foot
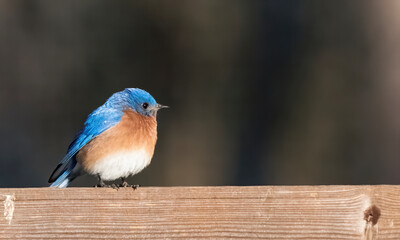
103 185
125 184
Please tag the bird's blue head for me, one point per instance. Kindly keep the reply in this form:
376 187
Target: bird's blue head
136 99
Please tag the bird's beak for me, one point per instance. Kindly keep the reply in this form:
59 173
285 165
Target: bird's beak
159 106
155 109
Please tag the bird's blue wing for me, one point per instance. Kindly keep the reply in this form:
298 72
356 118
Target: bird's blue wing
97 122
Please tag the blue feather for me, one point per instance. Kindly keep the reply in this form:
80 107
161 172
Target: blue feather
97 122
63 180
100 120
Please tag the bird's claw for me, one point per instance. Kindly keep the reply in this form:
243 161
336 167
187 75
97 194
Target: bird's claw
125 184
114 186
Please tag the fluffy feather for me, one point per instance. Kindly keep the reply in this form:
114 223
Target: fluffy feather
134 138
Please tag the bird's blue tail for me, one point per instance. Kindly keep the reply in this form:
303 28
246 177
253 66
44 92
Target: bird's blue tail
68 174
62 181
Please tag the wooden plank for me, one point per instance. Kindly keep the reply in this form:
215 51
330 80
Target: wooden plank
259 212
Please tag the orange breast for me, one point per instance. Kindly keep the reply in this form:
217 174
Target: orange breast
133 132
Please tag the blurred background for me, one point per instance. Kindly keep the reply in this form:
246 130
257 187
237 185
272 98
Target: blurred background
261 92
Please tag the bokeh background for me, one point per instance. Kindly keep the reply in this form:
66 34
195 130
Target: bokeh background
261 92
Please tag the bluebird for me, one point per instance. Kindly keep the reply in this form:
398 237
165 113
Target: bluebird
117 140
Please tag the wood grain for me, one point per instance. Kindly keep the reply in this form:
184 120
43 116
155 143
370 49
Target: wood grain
259 212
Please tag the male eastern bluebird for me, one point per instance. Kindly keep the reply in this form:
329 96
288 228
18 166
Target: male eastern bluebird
117 140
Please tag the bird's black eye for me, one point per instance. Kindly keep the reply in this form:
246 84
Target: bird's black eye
145 105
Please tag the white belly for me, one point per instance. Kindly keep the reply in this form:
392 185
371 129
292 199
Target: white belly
121 164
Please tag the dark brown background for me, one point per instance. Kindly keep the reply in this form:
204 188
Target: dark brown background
261 92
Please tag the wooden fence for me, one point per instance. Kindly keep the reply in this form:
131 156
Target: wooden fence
259 212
